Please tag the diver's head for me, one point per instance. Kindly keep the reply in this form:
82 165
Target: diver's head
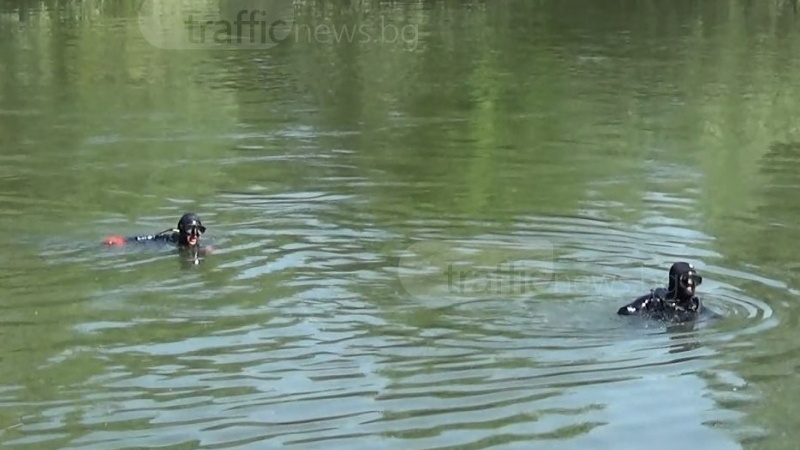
683 280
190 229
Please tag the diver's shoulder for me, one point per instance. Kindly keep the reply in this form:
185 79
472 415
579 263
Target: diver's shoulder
638 305
168 235
165 236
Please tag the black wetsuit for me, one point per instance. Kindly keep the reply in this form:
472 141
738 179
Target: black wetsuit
659 304
189 226
172 236
676 303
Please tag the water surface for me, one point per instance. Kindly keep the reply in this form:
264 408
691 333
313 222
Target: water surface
581 148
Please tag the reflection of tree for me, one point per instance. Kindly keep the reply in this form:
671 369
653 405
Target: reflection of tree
454 120
780 203
774 246
127 114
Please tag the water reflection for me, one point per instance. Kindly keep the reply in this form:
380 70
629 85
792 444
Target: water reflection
565 139
191 257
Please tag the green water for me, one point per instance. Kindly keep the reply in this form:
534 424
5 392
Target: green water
584 146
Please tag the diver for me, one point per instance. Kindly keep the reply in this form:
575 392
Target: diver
677 302
186 235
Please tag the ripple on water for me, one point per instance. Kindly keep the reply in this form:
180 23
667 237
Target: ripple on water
546 296
334 344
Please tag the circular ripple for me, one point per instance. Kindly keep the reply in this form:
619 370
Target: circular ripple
567 276
301 340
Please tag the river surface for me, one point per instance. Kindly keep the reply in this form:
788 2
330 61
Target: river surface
420 237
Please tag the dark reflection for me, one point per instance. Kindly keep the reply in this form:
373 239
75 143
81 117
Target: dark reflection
191 257
780 165
774 246
779 207
252 23
684 338
682 328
